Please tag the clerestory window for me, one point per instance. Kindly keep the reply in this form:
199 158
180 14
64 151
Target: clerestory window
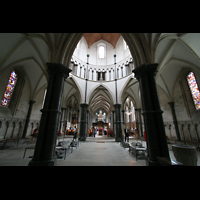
101 51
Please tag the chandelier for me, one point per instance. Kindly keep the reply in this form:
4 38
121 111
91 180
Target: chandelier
128 112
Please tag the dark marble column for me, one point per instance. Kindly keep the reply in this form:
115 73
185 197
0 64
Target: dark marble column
175 120
123 119
44 154
153 120
31 102
113 122
139 121
83 122
118 121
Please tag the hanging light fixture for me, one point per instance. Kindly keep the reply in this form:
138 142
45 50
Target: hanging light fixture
128 112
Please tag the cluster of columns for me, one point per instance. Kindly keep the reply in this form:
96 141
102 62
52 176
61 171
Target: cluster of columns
92 73
155 133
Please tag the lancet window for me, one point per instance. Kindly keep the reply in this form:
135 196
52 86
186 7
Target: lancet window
9 89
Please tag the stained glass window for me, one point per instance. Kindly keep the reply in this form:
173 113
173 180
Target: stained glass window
9 89
194 89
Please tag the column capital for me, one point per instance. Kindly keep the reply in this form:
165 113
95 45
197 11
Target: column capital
117 105
31 102
171 103
84 105
145 69
58 68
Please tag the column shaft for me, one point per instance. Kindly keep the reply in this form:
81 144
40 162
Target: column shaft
83 122
154 126
118 121
45 146
175 120
31 102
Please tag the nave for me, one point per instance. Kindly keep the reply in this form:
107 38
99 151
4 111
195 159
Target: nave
98 151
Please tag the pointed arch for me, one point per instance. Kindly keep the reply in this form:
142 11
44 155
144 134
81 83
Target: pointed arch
100 99
111 96
72 81
68 43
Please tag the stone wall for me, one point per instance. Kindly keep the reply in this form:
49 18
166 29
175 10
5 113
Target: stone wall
13 127
189 130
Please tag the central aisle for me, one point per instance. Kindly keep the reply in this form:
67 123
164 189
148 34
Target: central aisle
100 152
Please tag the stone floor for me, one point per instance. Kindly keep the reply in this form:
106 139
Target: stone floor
98 151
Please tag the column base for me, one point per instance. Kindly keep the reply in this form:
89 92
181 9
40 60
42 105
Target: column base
82 138
52 162
119 139
151 163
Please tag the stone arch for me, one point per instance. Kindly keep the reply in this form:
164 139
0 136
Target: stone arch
98 94
185 92
71 40
89 96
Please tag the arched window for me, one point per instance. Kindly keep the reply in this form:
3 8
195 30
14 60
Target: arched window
194 89
45 92
101 51
9 89
125 45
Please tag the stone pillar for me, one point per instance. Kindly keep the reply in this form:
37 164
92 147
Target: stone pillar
78 124
118 121
83 122
175 120
92 74
87 123
140 121
113 122
44 154
153 120
31 102
123 119
64 122
61 119
96 75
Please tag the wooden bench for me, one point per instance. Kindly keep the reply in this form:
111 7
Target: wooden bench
125 144
74 143
137 149
62 148
9 142
3 143
31 147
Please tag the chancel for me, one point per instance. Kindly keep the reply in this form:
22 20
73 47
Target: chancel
71 87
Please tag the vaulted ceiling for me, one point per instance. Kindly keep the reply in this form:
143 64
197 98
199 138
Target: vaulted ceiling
100 100
111 38
31 51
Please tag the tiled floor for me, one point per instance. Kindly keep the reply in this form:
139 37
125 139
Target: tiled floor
99 151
